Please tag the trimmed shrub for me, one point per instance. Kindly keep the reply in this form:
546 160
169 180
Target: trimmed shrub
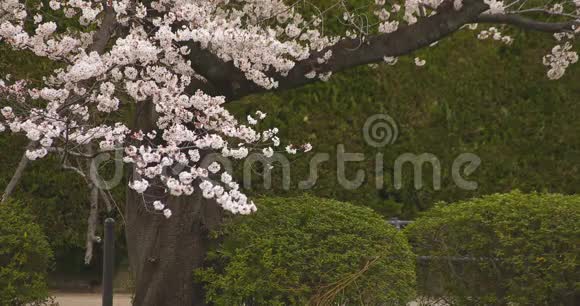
309 251
25 256
514 248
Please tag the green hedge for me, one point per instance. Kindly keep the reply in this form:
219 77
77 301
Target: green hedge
525 248
473 96
307 250
25 257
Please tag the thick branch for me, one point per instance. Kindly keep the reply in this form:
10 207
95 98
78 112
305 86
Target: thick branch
105 31
528 23
92 223
93 212
17 174
407 39
347 53
105 198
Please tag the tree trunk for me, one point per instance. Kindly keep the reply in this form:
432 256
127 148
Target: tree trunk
164 252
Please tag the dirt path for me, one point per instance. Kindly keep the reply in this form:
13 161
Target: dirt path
89 299
93 299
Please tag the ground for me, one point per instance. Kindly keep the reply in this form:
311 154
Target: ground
93 299
89 299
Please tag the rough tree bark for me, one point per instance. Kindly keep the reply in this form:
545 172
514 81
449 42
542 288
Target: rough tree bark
92 222
164 252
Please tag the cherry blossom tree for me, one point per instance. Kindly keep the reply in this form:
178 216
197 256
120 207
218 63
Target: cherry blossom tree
172 65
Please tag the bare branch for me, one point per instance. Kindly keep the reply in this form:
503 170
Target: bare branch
78 154
17 174
528 23
106 199
106 30
349 53
74 169
92 223
93 212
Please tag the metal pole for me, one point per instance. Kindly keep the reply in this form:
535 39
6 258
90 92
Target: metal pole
108 262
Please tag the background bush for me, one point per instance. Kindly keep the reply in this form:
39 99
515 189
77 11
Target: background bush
472 96
308 250
25 257
526 245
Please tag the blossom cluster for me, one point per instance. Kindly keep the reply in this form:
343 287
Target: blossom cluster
495 34
560 58
148 64
78 104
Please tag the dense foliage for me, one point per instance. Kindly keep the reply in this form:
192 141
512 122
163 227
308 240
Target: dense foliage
522 249
47 190
57 197
522 126
502 108
309 250
25 257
